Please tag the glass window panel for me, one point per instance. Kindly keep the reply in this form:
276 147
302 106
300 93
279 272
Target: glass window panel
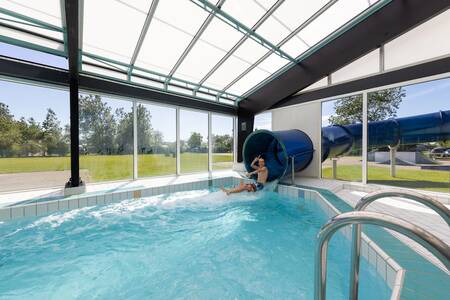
229 70
170 32
421 147
112 32
33 56
222 142
48 11
363 66
342 138
247 12
156 140
318 84
103 71
333 18
193 141
250 51
206 96
414 46
103 64
148 74
31 38
106 138
226 101
34 137
179 90
250 80
221 34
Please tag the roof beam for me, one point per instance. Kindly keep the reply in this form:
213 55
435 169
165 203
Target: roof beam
242 40
19 69
207 6
283 41
193 41
148 21
391 21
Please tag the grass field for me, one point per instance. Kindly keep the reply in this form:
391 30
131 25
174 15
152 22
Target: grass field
115 167
438 181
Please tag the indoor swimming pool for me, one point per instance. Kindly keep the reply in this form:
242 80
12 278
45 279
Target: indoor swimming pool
197 244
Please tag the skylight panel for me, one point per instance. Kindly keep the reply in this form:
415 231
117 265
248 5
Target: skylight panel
31 38
112 31
272 63
30 27
174 25
294 46
213 44
247 82
229 70
48 11
332 19
248 12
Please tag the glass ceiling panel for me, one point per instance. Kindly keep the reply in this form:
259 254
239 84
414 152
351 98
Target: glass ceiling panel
30 27
226 72
213 44
48 11
251 79
332 19
174 25
329 21
248 12
112 31
32 39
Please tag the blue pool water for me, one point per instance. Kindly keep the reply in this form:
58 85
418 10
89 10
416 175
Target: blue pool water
190 245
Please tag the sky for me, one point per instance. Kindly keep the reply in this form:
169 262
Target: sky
421 98
25 100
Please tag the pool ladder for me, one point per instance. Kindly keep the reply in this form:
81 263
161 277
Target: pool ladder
423 237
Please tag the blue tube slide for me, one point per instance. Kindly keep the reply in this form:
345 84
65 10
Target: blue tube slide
278 146
338 140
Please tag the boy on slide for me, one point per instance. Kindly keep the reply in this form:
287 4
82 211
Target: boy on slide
263 174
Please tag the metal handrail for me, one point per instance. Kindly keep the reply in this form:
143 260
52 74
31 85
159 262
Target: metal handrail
429 241
362 204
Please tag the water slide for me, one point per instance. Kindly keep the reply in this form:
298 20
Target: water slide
278 147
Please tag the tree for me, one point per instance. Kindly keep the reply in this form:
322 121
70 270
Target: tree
9 131
97 125
194 142
52 134
144 127
381 105
223 143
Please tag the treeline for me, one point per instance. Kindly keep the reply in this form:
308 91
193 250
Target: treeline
102 132
26 137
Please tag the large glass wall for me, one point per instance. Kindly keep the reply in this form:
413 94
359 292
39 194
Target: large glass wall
193 141
156 132
408 147
106 138
222 142
263 121
34 137
342 138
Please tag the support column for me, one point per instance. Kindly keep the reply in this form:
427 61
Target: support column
71 8
210 143
178 145
364 139
334 167
135 141
392 155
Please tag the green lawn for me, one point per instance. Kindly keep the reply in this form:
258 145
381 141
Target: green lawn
114 167
438 181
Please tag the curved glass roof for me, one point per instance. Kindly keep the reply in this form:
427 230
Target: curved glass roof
219 51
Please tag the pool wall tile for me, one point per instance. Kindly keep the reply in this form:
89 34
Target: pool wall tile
83 202
116 197
101 199
73 204
91 201
5 214
30 210
41 209
52 206
63 204
17 212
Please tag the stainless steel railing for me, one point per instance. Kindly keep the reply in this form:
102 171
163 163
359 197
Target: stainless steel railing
429 241
362 204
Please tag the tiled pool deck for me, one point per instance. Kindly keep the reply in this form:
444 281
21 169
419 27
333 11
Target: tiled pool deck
423 278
